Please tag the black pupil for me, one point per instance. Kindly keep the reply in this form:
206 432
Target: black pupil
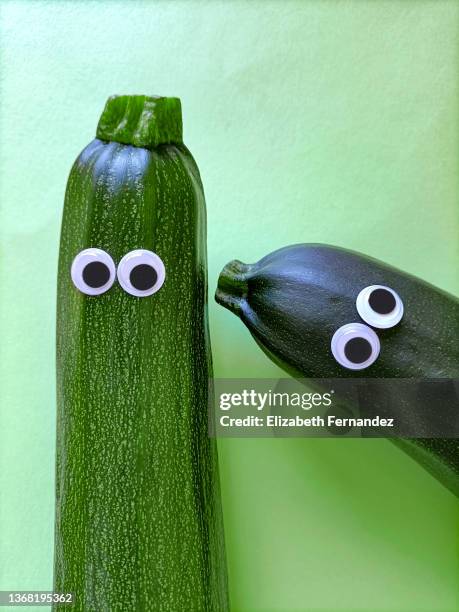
143 277
357 350
96 274
382 301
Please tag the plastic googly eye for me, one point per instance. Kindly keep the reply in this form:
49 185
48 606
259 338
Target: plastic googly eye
380 306
355 346
93 271
141 273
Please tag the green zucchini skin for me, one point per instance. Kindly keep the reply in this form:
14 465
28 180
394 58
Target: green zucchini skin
138 511
294 299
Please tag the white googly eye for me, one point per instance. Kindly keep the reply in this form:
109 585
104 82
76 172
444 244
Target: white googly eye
141 272
355 346
93 271
379 306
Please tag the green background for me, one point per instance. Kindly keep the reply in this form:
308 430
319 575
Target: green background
311 121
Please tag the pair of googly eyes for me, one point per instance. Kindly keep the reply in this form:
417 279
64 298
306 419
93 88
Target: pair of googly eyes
356 346
140 272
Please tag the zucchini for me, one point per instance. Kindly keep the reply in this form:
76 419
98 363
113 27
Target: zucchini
296 298
138 511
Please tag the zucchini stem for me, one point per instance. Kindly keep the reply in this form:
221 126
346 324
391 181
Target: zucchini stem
142 121
232 285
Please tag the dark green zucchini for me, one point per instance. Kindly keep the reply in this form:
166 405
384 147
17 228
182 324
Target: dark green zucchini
295 299
138 512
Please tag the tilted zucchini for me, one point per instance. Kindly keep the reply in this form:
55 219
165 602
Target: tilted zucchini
138 513
314 310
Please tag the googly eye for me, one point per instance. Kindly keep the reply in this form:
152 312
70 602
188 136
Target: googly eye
93 271
355 346
141 273
379 306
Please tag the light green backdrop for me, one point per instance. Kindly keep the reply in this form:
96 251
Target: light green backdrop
329 121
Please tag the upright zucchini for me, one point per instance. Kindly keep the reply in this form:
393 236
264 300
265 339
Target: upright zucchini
303 304
138 514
